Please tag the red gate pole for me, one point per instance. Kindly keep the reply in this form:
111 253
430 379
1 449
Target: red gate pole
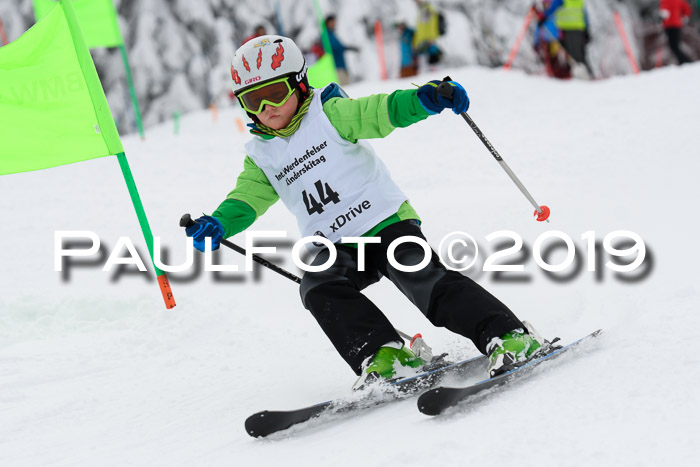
3 35
516 47
380 48
626 42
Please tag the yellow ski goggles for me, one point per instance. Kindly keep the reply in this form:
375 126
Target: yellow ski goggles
274 93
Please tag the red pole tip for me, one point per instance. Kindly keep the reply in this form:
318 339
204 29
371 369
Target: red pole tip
165 290
410 345
544 215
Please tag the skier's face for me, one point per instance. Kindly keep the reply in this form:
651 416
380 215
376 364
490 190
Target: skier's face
279 117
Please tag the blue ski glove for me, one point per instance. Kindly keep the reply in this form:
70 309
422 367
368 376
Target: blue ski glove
206 226
434 103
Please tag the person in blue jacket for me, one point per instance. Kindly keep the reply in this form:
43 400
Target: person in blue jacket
339 49
571 17
546 44
409 55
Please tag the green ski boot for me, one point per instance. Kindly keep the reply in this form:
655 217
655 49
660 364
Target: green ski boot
506 352
384 364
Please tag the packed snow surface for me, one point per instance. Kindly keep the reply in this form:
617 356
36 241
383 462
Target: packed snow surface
95 371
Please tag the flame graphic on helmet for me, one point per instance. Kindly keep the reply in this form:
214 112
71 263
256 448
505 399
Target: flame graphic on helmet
245 63
234 75
259 61
278 57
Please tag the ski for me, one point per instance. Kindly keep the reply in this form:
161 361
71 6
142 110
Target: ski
437 399
267 422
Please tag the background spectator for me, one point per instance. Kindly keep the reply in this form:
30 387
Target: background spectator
427 32
257 32
409 58
547 44
673 13
339 50
571 19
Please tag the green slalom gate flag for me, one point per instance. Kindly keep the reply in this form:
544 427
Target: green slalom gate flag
98 20
323 71
99 23
53 110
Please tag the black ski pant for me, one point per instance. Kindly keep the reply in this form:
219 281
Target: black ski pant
674 42
357 328
574 42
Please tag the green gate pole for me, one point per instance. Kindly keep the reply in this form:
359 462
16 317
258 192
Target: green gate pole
145 228
132 91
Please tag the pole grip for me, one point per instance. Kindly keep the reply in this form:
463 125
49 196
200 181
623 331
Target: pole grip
444 88
186 220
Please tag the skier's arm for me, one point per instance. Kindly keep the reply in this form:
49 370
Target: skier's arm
250 199
374 116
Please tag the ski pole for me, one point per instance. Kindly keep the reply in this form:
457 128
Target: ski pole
421 348
542 212
418 345
186 221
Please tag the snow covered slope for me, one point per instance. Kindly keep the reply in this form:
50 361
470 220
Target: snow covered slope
95 371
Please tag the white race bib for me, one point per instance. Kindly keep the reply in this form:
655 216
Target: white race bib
333 187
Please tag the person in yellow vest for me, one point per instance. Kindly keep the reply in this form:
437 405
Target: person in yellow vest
427 32
572 20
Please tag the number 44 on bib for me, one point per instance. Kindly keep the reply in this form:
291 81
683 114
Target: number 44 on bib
325 194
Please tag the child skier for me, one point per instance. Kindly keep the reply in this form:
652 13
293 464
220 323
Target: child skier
307 150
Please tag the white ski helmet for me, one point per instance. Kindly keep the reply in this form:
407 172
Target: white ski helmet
266 58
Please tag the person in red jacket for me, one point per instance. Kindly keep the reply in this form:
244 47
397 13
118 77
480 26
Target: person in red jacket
257 32
673 13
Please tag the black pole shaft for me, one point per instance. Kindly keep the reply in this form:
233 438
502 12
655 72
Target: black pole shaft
186 221
481 136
